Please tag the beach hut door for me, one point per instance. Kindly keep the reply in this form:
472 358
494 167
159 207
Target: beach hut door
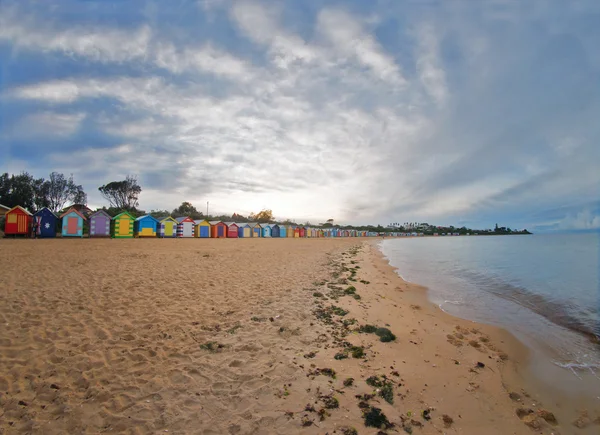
21 223
72 225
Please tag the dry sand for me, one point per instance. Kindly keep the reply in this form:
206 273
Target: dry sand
233 336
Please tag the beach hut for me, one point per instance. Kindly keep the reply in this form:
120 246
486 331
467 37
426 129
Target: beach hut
185 226
218 229
100 224
296 232
123 226
244 231
3 210
256 229
282 230
167 228
289 231
275 231
301 232
72 223
307 232
232 230
202 229
44 222
145 226
266 230
18 222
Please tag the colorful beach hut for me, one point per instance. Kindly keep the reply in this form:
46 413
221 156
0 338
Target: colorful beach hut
256 229
18 222
282 230
266 230
218 229
290 231
100 224
275 231
122 227
167 228
244 231
145 226
232 230
202 229
72 223
185 226
44 222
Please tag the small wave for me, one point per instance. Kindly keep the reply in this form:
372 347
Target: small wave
575 367
560 312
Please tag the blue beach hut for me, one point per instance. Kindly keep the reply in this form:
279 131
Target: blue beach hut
72 223
282 230
145 226
45 223
275 231
266 230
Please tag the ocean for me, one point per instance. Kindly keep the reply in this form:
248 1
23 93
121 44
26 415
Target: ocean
544 289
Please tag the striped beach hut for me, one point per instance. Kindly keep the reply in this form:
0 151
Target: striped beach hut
167 228
290 230
72 223
244 231
18 222
145 226
256 229
122 227
218 229
266 230
202 229
100 224
44 222
275 231
232 230
185 226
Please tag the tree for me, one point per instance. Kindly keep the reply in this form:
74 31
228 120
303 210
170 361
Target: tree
263 217
60 190
17 190
187 209
122 195
238 218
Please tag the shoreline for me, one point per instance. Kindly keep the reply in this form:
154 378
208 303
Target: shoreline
569 407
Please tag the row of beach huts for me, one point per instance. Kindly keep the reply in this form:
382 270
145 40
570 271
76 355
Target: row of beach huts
43 224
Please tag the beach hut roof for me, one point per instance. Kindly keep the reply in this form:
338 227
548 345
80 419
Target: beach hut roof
47 209
168 218
4 207
183 218
124 213
73 210
20 208
253 224
231 223
215 222
101 212
147 216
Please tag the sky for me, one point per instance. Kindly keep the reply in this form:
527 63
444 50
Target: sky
447 112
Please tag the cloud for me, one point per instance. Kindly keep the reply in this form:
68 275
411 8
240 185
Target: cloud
361 113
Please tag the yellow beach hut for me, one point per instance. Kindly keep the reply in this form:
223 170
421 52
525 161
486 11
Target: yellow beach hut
123 226
167 228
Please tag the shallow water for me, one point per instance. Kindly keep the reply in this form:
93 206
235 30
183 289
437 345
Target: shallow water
545 289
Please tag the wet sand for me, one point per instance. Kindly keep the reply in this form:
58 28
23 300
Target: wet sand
245 336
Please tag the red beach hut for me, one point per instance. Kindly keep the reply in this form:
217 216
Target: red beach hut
232 230
18 222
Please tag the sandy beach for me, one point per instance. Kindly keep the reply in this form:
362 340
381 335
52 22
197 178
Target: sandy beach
248 336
